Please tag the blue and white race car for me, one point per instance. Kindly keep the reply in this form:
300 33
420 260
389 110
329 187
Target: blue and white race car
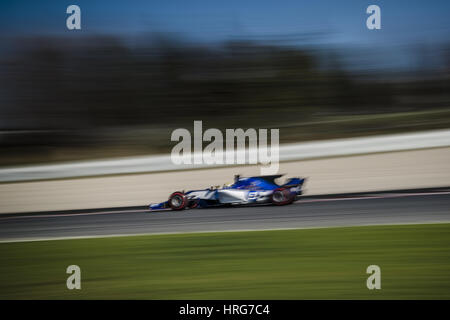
244 191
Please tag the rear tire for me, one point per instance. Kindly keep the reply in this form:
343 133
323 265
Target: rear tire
282 196
178 201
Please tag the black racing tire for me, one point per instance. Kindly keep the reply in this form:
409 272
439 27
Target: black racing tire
192 204
281 197
178 201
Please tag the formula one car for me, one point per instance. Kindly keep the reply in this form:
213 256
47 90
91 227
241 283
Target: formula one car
244 191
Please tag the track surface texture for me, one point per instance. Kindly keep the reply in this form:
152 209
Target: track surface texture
376 209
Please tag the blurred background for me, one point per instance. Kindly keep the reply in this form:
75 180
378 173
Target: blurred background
138 70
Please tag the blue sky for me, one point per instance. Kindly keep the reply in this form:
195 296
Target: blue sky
210 20
340 24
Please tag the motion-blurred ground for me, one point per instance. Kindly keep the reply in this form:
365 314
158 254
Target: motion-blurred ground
372 172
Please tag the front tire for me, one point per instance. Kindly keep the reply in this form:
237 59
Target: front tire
178 201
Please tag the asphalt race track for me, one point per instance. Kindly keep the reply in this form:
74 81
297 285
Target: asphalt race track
389 208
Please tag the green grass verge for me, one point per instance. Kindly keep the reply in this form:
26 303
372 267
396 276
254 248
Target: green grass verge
292 264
